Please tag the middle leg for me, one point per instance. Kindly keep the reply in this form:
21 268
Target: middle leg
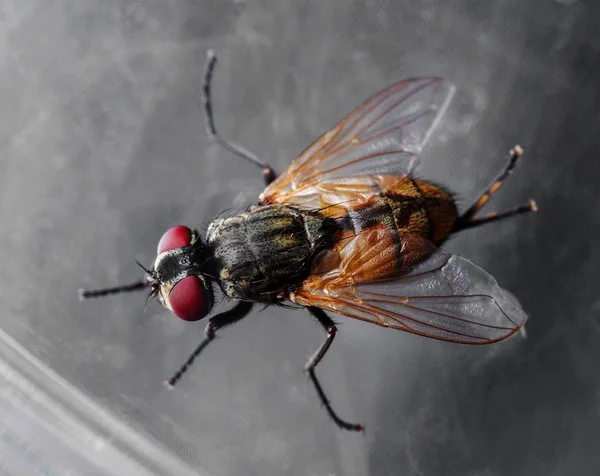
312 363
268 173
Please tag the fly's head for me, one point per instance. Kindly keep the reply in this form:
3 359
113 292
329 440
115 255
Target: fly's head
177 278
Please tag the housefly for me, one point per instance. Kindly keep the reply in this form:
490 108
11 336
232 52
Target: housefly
347 229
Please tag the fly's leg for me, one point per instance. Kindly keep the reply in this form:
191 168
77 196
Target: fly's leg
137 286
496 216
145 283
223 319
469 220
312 363
268 173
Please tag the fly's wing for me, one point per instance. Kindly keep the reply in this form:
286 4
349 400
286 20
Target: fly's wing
443 296
383 136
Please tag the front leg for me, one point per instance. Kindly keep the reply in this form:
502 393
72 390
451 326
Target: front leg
241 310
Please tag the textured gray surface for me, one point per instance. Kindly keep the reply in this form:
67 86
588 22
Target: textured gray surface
102 148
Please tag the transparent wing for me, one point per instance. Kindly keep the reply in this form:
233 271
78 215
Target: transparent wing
443 297
383 136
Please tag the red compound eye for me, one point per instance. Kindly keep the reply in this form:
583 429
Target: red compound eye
176 237
190 300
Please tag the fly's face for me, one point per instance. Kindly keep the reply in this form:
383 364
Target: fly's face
177 279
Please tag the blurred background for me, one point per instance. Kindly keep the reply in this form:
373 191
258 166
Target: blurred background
102 148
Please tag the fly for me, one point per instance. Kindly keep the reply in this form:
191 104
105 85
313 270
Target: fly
347 229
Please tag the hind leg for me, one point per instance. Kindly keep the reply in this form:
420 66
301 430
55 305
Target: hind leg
469 219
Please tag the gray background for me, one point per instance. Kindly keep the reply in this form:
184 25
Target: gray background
102 148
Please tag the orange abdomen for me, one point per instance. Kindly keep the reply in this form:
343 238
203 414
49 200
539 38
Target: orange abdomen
411 206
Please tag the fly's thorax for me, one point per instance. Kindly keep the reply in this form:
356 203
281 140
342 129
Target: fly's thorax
260 254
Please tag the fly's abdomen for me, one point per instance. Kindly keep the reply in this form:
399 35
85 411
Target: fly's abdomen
440 209
410 206
261 253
